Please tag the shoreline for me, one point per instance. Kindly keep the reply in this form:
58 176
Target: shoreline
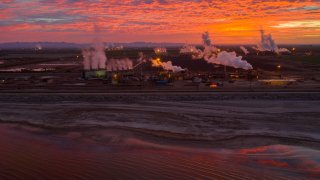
119 96
222 135
204 119
163 138
156 90
112 155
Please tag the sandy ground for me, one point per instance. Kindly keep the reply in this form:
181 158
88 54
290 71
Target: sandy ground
287 117
173 127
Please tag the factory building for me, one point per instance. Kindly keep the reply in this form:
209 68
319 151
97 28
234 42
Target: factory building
91 74
277 82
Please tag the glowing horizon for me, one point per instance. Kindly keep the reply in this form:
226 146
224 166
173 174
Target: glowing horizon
172 21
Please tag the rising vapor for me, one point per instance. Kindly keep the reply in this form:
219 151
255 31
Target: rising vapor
244 50
267 43
119 64
94 56
166 65
142 58
188 49
212 55
231 59
206 39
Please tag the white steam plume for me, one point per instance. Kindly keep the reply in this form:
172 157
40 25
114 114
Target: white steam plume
206 39
38 47
166 65
169 67
94 56
86 59
119 64
142 58
267 43
284 50
244 50
212 55
192 50
188 49
231 59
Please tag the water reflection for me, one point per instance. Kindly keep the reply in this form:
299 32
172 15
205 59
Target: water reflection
291 158
37 154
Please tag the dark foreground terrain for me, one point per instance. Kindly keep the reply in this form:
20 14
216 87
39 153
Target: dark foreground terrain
188 135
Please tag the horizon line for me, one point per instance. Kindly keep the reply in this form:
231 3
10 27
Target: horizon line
78 43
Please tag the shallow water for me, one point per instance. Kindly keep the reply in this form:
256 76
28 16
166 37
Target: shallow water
192 120
34 153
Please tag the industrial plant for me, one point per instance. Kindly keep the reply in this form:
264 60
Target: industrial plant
204 67
160 89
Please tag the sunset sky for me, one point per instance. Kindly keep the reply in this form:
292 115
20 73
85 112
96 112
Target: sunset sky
228 21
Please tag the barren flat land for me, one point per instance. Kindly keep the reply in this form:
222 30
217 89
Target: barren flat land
222 135
206 122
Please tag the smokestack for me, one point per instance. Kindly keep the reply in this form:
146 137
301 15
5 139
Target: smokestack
206 39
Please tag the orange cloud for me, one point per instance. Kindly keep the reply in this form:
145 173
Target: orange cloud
165 20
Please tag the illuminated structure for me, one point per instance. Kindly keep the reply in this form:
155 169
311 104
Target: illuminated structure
101 74
160 51
277 82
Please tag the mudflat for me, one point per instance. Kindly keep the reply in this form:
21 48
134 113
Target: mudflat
160 135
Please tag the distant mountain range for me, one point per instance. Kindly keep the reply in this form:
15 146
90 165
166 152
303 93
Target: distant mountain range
63 45
66 45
